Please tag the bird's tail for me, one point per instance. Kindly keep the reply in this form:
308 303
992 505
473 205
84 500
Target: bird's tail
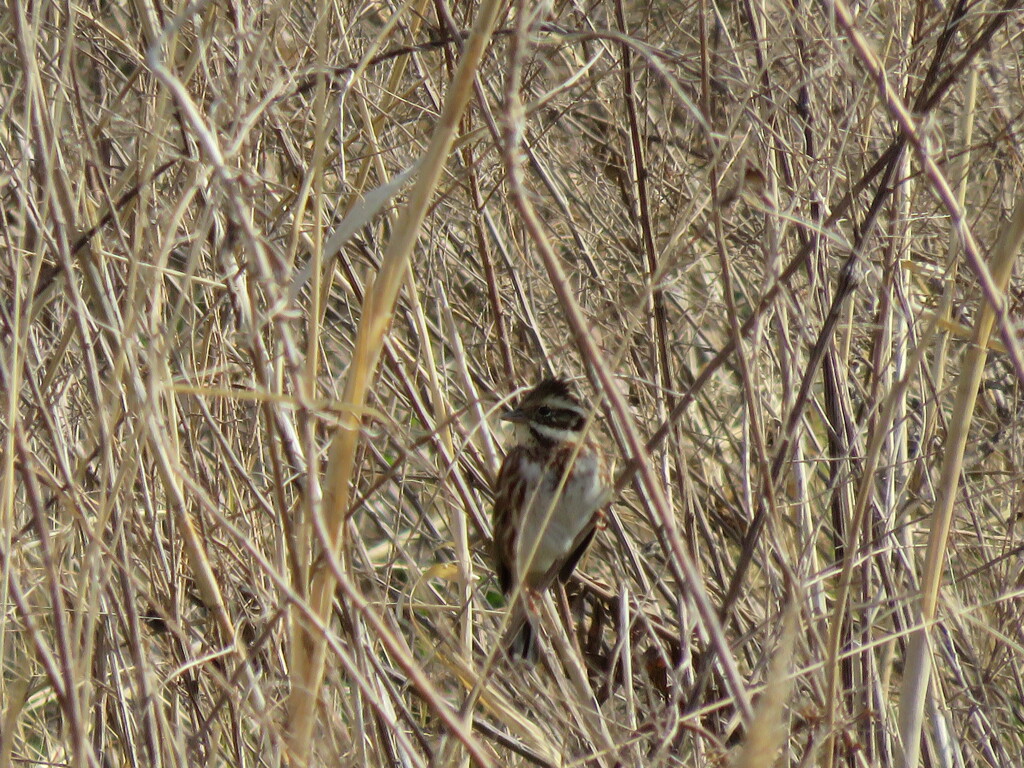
524 643
520 640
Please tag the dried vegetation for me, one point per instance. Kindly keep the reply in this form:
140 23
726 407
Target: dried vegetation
763 237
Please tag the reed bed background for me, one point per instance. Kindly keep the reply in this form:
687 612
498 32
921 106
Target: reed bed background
272 270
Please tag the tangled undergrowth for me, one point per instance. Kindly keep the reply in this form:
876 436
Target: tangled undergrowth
272 270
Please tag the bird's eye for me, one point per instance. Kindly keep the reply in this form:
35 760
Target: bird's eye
544 411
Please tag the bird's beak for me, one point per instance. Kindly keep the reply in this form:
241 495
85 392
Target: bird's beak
516 416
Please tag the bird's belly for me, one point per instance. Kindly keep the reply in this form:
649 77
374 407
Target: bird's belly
549 531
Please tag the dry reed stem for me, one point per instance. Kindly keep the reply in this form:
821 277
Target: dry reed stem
767 731
920 652
308 649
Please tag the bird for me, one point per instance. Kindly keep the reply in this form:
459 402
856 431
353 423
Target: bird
548 500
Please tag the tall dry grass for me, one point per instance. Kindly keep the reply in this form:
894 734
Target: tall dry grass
261 304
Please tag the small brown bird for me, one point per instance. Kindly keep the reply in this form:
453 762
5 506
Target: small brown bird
548 497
